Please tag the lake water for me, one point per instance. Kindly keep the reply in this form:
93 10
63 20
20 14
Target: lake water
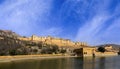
66 63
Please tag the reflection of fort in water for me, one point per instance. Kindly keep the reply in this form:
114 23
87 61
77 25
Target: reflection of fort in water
94 63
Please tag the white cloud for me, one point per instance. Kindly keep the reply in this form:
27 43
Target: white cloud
88 32
91 30
24 16
112 32
54 31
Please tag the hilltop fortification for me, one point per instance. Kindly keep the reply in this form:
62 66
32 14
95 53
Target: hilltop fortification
54 41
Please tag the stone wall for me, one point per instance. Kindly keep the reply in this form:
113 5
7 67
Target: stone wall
54 41
91 51
106 54
88 51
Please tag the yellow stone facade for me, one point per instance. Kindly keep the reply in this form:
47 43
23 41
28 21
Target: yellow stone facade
54 41
92 51
108 47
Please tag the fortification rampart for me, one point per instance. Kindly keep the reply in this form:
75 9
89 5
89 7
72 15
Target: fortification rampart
54 41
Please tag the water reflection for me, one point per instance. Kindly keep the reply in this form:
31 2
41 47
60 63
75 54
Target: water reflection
102 63
65 63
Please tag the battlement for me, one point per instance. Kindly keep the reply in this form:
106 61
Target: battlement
54 41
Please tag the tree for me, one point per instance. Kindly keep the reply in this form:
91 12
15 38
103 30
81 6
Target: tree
119 52
35 50
101 49
55 49
12 52
63 51
77 51
46 50
2 53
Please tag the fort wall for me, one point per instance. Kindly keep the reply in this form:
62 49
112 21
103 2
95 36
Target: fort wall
54 41
91 51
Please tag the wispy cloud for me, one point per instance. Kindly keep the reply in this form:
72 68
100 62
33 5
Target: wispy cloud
26 17
111 35
92 21
52 31
91 31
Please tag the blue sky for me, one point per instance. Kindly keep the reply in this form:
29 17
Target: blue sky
92 21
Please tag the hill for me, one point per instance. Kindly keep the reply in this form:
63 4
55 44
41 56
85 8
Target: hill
10 44
114 46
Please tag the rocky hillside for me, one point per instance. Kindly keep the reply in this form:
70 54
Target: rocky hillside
9 34
115 46
9 42
11 45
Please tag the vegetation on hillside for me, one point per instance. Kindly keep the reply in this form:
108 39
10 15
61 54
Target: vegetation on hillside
101 49
11 45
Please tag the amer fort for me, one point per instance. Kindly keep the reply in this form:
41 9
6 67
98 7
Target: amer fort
54 41
83 48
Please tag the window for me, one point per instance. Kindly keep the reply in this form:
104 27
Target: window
85 52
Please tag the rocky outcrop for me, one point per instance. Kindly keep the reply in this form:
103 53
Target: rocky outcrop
9 41
9 34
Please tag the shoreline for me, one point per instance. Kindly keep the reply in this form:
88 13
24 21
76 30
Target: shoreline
30 57
4 59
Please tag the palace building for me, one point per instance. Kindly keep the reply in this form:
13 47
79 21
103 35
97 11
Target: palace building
54 41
